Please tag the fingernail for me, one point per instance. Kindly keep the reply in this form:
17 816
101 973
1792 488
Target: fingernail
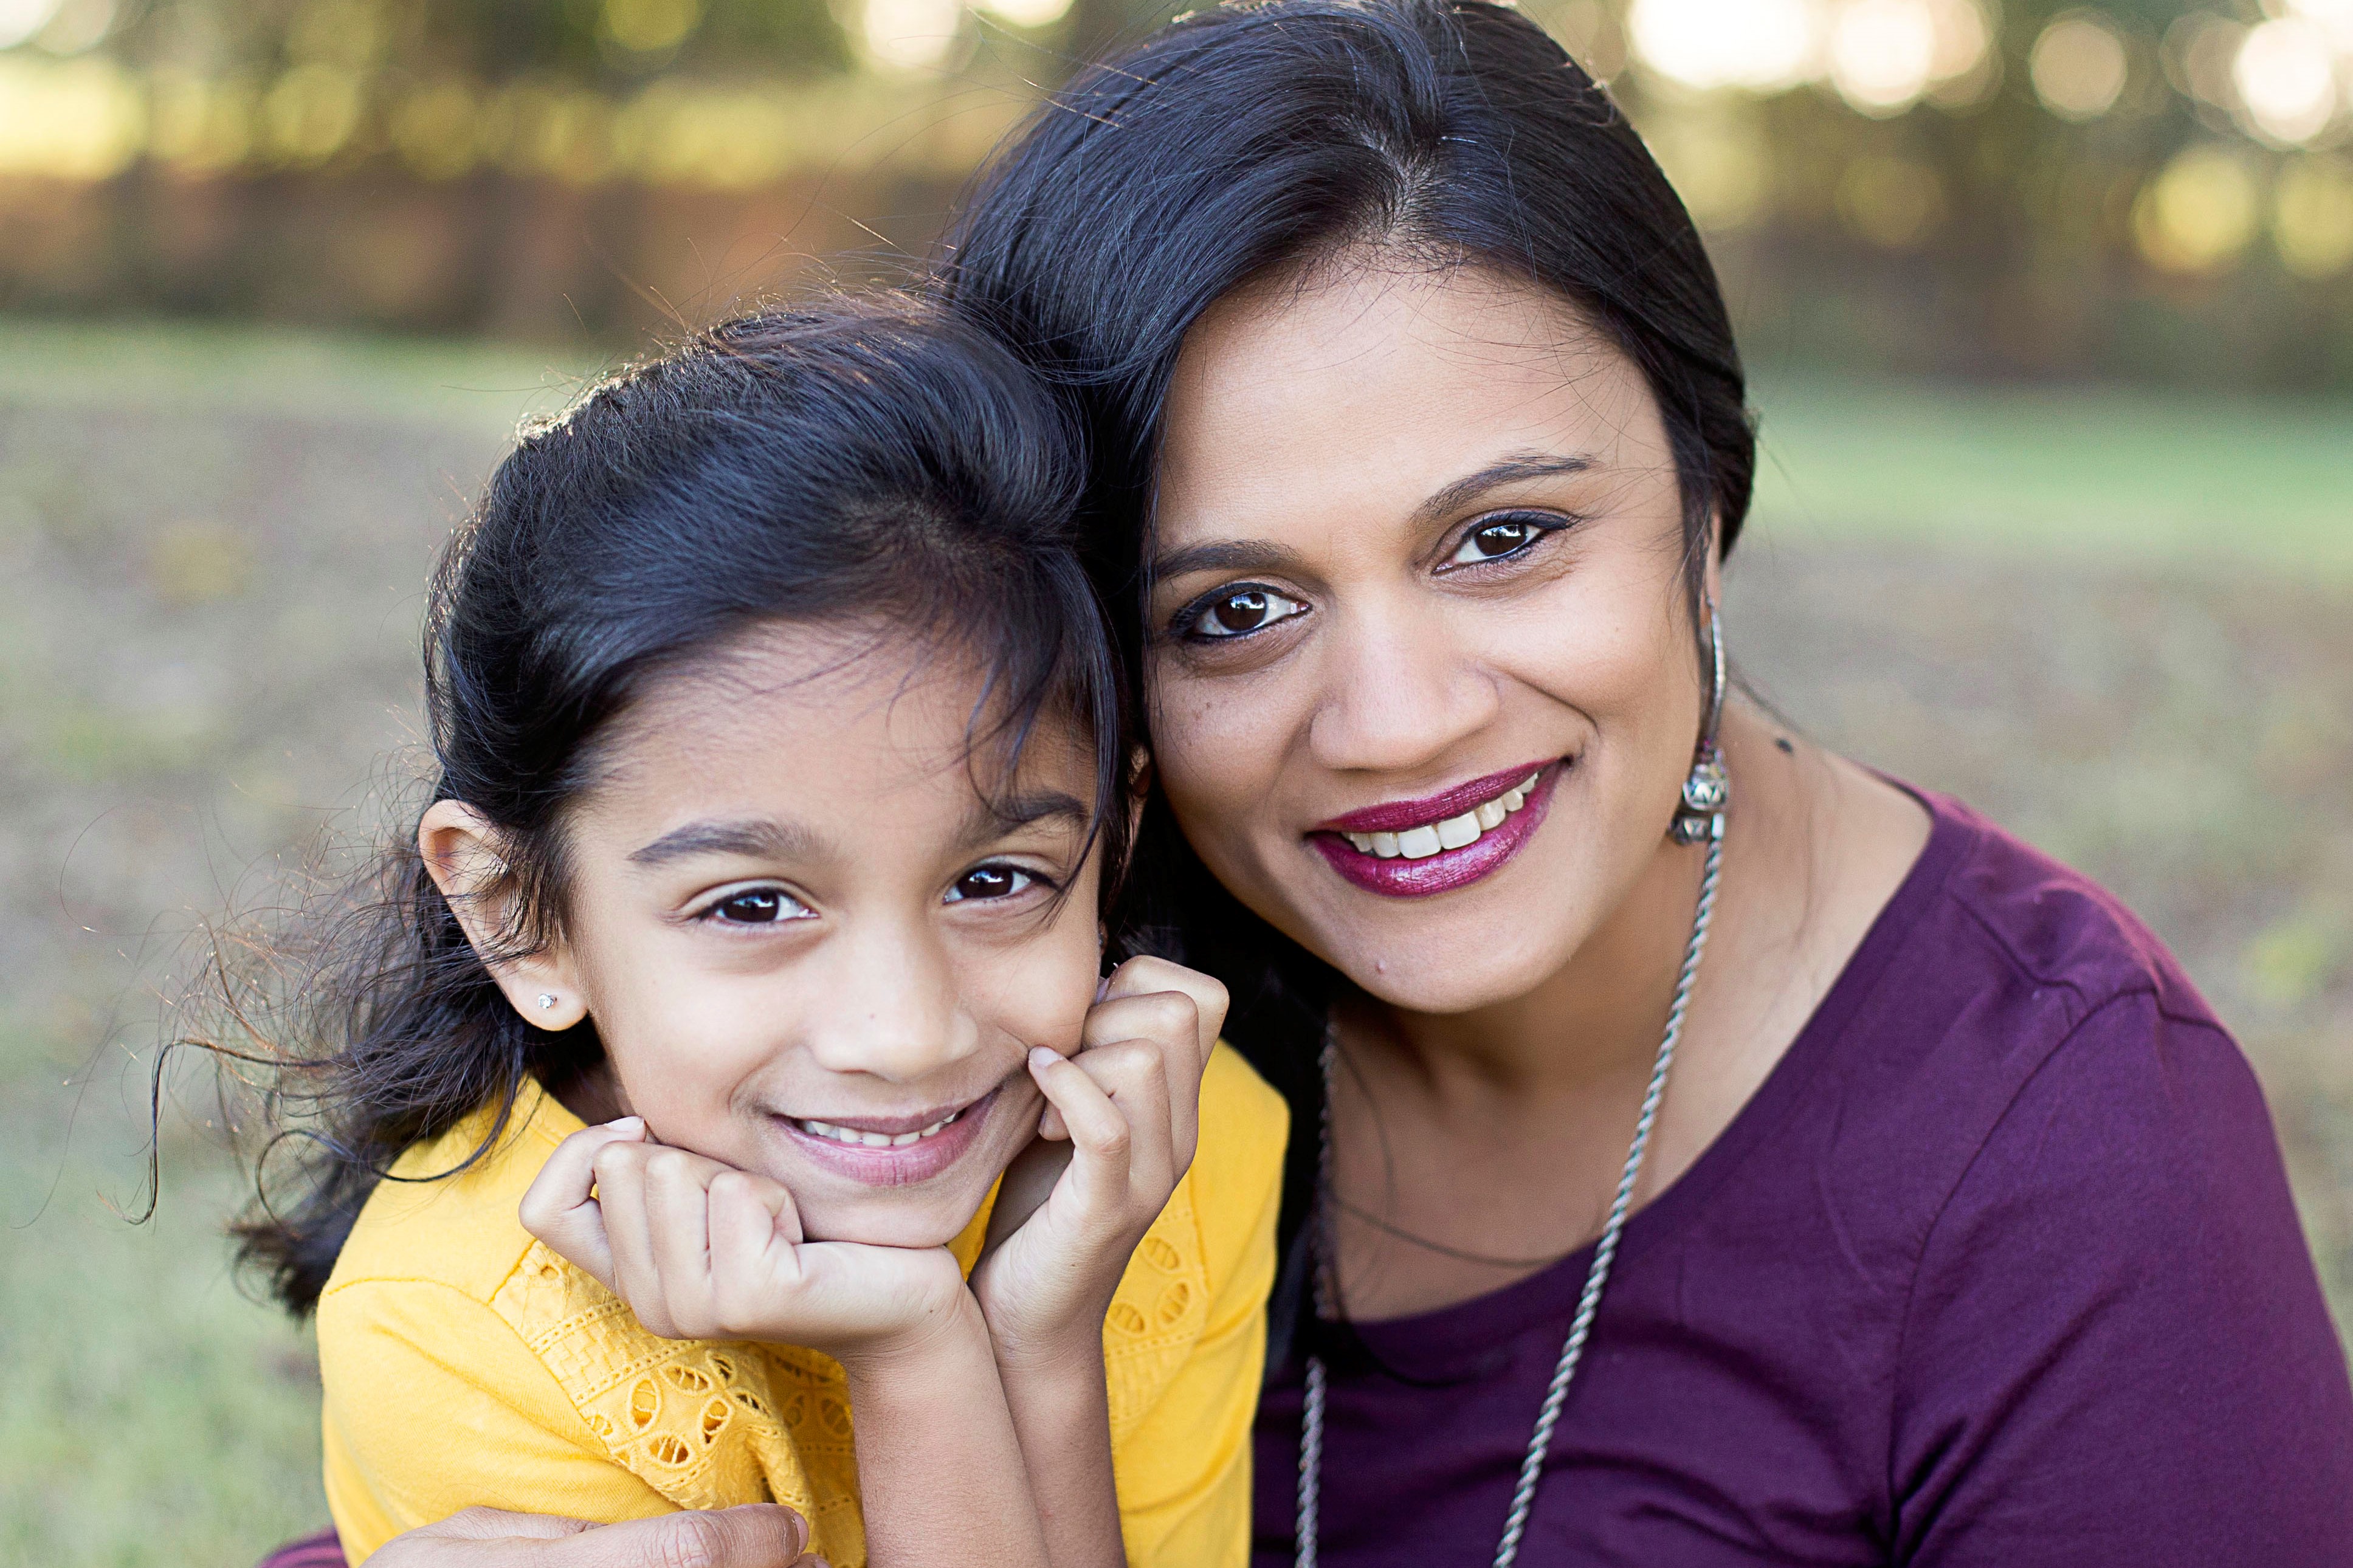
627 1124
1042 1057
1102 988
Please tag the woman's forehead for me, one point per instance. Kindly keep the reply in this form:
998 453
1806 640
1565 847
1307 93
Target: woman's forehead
1392 383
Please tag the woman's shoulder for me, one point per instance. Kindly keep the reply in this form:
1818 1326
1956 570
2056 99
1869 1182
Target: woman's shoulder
446 1213
1997 984
2051 924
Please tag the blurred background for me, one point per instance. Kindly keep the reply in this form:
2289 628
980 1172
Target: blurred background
2050 312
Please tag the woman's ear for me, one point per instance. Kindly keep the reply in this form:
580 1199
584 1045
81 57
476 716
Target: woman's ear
465 854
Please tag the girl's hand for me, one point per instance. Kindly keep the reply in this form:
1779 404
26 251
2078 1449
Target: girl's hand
1122 1119
701 1250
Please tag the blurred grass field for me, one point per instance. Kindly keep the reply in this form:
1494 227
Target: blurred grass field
2120 623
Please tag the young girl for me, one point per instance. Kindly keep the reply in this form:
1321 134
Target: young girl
731 1108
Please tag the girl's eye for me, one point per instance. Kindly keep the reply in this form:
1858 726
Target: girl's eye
991 882
1494 540
757 906
1238 612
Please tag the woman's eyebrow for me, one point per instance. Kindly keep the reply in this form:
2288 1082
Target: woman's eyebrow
757 839
1519 466
1226 555
1265 555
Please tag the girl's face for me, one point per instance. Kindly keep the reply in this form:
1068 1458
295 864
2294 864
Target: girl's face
1423 688
812 948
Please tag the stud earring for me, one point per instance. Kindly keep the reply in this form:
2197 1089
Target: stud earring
546 1000
1707 789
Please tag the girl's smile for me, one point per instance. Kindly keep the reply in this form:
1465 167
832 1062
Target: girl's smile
892 1150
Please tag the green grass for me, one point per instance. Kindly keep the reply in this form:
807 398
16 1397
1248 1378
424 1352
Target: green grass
2096 474
151 1415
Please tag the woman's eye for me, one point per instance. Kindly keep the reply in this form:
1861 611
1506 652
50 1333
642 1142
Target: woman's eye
989 882
1493 540
757 906
1238 612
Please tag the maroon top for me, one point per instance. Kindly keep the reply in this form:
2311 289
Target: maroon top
1998 1267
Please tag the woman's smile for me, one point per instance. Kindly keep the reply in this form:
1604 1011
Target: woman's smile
1412 848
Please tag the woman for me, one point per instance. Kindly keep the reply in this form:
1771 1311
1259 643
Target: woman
1817 1177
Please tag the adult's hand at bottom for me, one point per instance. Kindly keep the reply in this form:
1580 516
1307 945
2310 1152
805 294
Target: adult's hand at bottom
756 1535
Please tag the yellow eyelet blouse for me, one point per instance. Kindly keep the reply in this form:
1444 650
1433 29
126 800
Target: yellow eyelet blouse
465 1363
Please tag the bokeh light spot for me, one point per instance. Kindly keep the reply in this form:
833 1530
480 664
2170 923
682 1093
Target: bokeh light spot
2312 216
912 35
1883 53
1759 45
2199 215
1894 203
2078 66
2286 73
1028 13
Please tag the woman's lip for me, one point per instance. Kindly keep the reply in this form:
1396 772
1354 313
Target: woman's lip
893 1166
1398 877
1397 816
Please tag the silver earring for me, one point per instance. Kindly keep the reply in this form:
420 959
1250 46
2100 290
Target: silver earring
546 1000
1707 789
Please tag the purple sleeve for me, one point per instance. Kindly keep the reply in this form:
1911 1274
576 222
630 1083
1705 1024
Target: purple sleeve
2115 1348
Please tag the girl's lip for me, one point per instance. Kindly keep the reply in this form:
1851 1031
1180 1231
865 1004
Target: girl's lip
1397 816
896 1166
1399 877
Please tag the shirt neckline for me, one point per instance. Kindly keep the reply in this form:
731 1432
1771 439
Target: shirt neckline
1460 1338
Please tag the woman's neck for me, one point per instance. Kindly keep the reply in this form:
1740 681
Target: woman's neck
1588 1021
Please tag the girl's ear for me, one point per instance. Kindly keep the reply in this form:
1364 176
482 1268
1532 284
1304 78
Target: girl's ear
465 855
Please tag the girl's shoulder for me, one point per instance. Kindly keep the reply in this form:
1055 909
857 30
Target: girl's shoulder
446 1210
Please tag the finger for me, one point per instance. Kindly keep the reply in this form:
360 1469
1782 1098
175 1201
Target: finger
1142 976
1100 1135
621 1193
678 1212
560 1207
755 1535
1134 1074
484 1525
747 1248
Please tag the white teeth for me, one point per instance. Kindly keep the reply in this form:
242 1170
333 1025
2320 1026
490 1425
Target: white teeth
1419 843
850 1135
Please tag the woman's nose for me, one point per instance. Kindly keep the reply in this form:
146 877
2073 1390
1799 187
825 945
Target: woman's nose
1396 694
890 1008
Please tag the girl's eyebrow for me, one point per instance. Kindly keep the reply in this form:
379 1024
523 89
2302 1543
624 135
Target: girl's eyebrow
758 838
994 818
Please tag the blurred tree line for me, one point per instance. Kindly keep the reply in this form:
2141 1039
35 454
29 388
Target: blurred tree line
2150 188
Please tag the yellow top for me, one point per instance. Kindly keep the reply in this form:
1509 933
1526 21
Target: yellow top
465 1363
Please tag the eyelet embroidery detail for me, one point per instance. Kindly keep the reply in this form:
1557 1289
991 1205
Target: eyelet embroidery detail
711 1425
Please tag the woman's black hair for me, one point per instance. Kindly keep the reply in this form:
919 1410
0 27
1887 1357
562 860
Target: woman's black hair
877 465
1260 139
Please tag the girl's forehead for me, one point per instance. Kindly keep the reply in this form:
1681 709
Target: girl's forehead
830 714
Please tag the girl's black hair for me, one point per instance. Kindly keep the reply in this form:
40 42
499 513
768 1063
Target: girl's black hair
1257 139
875 464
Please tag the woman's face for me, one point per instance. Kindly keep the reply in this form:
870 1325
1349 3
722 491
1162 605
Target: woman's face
1418 543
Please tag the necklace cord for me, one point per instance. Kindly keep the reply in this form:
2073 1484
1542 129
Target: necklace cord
1589 1303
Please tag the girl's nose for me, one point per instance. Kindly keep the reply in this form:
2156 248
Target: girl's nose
1395 695
891 1008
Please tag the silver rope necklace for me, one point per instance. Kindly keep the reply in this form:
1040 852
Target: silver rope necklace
1605 1252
